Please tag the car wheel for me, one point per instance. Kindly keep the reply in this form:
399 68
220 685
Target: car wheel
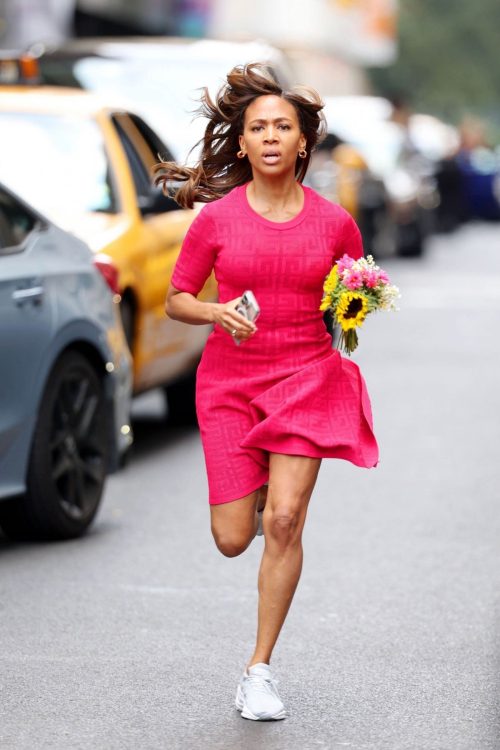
181 399
69 457
410 241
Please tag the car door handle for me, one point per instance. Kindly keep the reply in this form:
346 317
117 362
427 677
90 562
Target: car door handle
33 294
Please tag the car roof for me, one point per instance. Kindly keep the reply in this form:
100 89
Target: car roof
50 99
171 49
178 45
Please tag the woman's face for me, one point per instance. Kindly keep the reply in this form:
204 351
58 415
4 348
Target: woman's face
271 135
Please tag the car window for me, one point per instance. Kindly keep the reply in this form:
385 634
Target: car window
141 146
57 163
138 154
16 223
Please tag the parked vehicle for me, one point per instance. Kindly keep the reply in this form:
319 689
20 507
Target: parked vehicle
65 376
479 179
406 173
91 175
339 173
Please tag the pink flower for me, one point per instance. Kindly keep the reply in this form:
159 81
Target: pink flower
353 279
371 278
383 277
344 263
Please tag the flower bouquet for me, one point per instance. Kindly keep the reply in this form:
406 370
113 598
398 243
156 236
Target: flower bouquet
353 289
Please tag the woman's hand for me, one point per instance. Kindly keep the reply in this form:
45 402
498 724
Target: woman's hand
229 319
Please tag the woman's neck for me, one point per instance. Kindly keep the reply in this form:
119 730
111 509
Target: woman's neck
278 199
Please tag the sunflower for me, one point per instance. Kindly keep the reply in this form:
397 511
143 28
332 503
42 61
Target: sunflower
325 302
351 310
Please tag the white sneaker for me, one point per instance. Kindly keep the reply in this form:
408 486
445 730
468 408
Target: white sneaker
257 696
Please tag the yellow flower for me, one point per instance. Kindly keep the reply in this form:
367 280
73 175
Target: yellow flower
331 281
351 310
325 302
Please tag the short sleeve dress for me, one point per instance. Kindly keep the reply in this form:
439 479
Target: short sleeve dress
285 389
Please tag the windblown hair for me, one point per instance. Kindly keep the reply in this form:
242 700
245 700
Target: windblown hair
219 170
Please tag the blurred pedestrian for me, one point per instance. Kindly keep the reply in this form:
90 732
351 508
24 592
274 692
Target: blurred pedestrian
271 408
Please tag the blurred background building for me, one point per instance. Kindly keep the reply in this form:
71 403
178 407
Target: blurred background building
442 57
330 41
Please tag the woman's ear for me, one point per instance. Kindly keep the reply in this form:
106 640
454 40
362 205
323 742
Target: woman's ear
303 141
241 141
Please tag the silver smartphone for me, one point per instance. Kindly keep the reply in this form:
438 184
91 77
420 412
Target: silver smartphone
248 307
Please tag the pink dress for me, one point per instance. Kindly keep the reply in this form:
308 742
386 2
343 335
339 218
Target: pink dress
285 389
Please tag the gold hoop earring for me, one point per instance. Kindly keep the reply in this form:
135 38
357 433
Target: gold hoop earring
240 154
303 153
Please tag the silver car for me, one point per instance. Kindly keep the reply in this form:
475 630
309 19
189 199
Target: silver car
65 376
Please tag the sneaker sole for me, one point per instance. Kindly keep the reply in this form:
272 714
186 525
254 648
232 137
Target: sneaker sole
246 714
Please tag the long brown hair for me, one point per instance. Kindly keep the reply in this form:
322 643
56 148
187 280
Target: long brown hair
219 170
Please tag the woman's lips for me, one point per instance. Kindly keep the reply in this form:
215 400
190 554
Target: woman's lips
271 158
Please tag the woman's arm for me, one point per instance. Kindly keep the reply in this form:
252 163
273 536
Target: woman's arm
193 267
185 307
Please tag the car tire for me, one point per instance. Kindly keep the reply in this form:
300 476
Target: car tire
181 400
410 241
69 457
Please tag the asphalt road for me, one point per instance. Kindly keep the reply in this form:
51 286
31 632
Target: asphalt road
135 636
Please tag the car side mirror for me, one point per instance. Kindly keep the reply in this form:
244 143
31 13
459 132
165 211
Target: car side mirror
156 202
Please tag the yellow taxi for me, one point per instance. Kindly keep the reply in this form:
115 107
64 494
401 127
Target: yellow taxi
86 165
351 168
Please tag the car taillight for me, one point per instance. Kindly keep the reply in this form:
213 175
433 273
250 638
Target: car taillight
107 267
29 67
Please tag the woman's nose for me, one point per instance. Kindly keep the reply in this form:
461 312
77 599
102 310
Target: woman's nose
270 137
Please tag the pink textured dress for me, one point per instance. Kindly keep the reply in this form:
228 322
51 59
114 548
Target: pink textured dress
285 389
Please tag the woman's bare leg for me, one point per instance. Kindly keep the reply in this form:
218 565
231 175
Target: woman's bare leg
235 524
291 482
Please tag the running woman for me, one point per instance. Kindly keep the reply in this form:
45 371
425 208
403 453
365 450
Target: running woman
271 408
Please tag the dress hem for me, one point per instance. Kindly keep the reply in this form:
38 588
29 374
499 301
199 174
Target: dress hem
243 493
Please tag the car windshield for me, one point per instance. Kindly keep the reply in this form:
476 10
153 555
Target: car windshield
163 92
57 163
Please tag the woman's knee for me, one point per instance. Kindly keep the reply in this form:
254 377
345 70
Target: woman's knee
233 524
231 544
285 525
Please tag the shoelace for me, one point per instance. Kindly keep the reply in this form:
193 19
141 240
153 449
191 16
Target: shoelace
261 683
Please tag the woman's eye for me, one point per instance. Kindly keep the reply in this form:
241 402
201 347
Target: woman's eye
258 127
